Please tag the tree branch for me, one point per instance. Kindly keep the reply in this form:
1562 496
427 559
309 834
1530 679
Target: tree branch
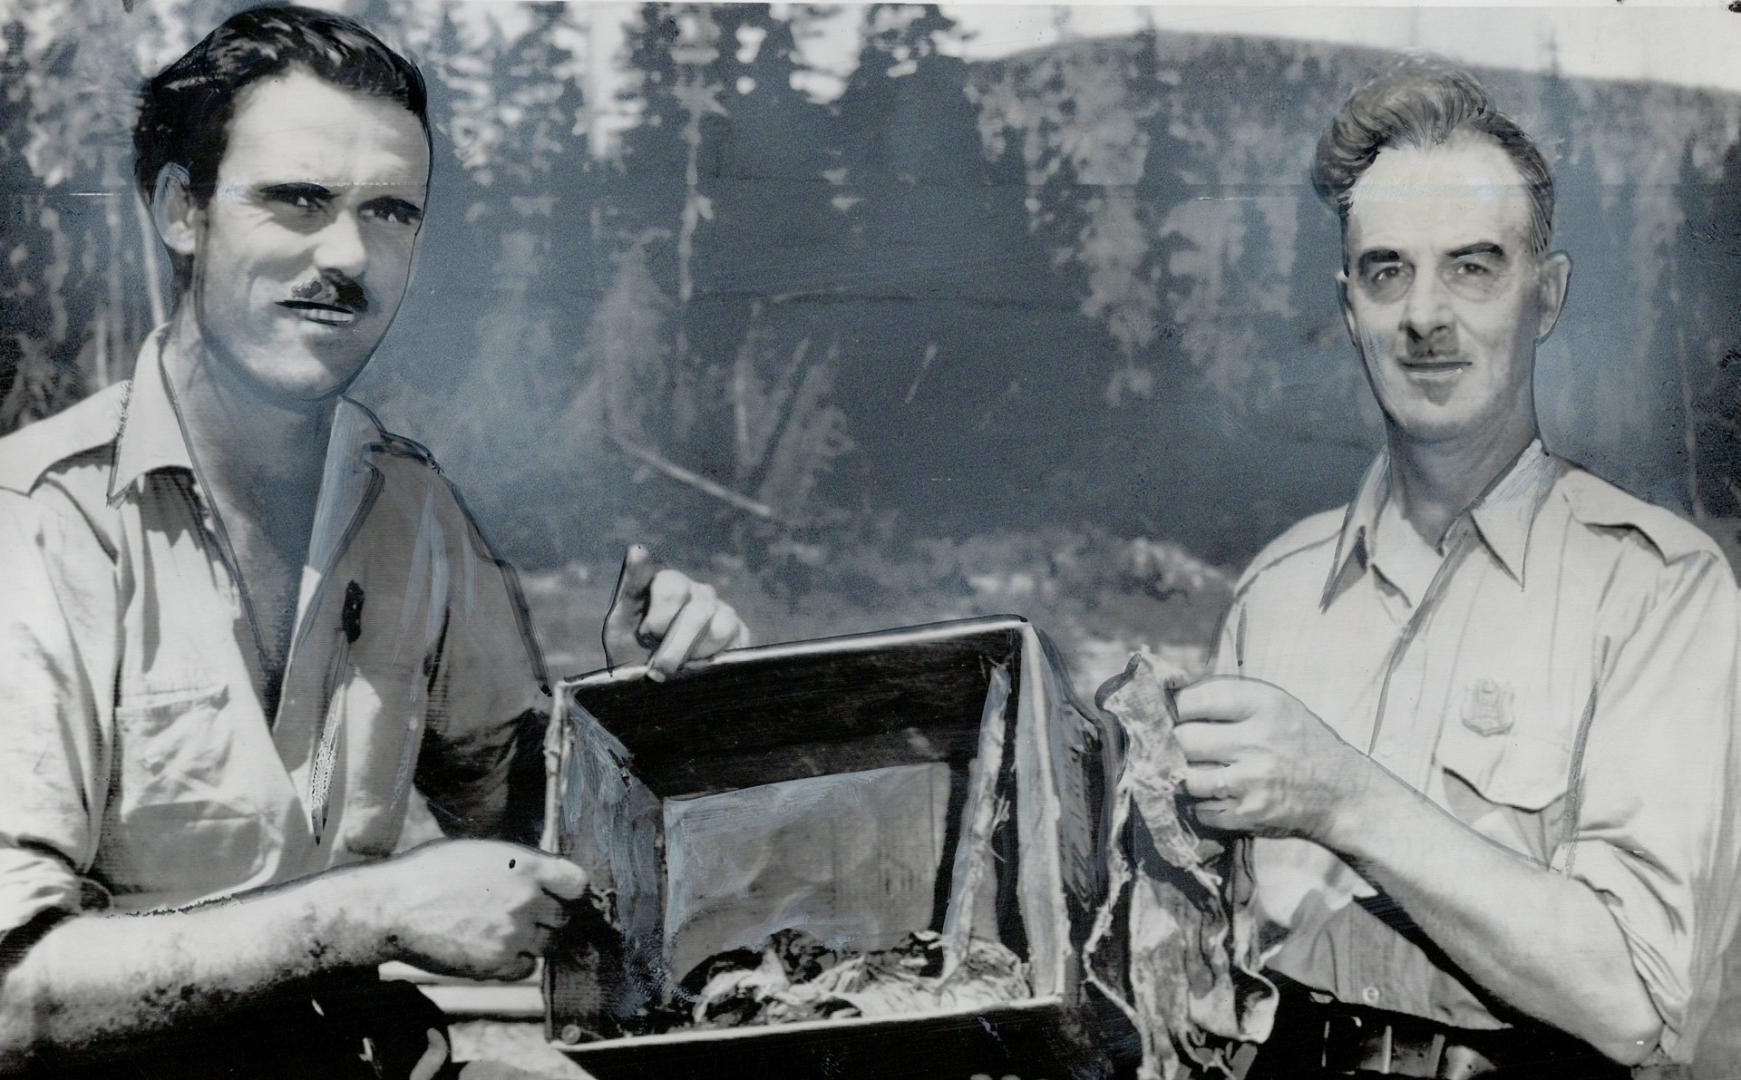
699 483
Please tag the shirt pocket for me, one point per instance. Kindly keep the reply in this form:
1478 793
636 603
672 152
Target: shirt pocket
189 824
1512 768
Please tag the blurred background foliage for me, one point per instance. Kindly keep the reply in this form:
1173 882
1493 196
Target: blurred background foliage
1053 333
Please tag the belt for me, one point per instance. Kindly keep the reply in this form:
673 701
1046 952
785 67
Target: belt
1316 1035
1355 1043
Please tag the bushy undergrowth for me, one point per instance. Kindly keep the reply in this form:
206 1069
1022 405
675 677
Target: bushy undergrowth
1098 596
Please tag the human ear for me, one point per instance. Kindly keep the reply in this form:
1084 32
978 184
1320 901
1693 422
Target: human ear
1347 310
1553 279
173 210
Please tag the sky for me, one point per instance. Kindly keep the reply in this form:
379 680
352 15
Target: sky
1690 42
1686 42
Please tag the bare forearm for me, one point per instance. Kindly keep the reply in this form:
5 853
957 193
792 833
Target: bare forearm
477 909
95 982
1543 942
1260 761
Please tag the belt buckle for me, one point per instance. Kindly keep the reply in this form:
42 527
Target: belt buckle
1352 1045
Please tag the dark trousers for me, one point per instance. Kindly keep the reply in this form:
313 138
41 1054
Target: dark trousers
350 1029
1313 1039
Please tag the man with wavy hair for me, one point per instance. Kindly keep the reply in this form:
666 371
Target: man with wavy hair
1479 719
252 647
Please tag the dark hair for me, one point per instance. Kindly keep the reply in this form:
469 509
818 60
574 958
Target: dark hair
185 112
1424 101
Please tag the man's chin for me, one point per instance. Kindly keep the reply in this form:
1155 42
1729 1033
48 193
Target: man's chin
1423 423
310 380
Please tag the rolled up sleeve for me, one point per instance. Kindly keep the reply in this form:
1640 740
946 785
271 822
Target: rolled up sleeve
1653 828
52 756
481 766
1228 659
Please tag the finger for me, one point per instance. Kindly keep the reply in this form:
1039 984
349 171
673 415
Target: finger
1216 782
667 594
639 570
430 1063
1220 698
559 877
1204 742
720 632
742 639
1221 814
629 604
681 634
548 912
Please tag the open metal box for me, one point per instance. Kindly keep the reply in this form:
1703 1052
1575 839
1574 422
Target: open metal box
856 788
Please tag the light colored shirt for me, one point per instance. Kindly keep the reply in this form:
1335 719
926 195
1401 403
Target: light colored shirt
1559 673
138 769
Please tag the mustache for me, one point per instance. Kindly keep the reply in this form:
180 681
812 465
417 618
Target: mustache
334 290
1439 346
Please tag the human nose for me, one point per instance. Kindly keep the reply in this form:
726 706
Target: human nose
340 248
1426 310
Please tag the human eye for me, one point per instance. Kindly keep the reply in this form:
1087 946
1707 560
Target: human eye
394 211
304 197
1386 278
1478 274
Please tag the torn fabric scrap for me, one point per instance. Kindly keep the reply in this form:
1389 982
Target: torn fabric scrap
1174 945
794 977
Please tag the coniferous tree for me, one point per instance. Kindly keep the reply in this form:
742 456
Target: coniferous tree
32 313
1704 329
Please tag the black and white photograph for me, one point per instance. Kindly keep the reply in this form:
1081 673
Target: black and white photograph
870 541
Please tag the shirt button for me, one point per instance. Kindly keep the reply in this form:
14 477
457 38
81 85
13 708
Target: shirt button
1370 995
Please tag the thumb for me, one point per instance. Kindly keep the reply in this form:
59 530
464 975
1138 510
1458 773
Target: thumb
560 878
428 1066
639 569
629 604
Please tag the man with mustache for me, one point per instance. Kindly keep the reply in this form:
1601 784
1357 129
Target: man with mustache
1480 719
252 648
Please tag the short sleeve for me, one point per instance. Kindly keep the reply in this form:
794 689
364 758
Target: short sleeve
54 631
481 764
1654 831
1228 658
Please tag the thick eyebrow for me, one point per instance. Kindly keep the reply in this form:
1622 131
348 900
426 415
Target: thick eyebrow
294 189
1484 247
1377 255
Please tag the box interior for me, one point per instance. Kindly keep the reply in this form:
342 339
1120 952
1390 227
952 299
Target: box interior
823 786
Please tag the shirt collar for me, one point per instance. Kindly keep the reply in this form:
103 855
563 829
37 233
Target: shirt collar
151 436
1359 526
1403 556
1502 516
1505 515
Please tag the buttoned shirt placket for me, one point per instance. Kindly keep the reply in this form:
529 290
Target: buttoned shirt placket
1402 738
344 496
